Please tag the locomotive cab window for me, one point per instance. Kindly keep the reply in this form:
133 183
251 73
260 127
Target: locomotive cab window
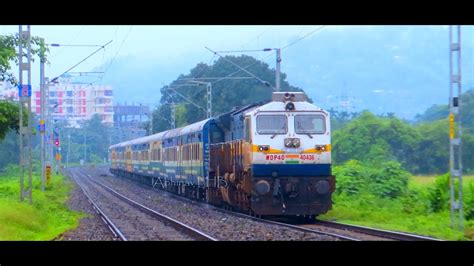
272 124
310 124
247 129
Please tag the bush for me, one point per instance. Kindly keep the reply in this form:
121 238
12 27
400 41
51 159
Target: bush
388 179
438 193
349 177
469 203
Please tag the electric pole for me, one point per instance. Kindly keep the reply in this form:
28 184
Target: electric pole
455 148
85 149
25 103
209 96
68 148
278 61
209 99
42 121
173 116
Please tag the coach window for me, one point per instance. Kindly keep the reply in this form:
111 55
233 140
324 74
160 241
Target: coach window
272 124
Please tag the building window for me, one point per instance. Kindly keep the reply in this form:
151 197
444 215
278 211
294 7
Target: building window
108 93
69 109
52 94
69 93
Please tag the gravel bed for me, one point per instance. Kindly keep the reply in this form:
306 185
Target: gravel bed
220 225
91 227
132 222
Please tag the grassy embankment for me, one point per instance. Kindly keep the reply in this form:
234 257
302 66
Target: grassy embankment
409 213
45 219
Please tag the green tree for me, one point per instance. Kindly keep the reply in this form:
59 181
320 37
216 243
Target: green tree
373 139
9 117
437 112
8 53
226 93
432 154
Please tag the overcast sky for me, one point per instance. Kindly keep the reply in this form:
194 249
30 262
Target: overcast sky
167 44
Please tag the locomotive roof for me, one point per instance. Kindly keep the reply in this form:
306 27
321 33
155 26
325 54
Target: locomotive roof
165 134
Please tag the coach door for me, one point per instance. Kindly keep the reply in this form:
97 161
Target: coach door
128 159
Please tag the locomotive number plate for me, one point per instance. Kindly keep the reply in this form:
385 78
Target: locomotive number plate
275 157
307 157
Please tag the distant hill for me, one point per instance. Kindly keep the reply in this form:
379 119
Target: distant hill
399 69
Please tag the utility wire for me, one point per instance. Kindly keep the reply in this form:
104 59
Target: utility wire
258 36
102 47
70 41
115 56
266 83
307 35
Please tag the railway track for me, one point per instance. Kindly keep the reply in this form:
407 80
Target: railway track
338 230
112 227
393 235
192 233
266 221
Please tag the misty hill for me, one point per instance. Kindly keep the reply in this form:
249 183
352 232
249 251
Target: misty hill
400 69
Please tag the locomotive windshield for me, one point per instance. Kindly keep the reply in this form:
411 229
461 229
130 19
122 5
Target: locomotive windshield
272 124
309 124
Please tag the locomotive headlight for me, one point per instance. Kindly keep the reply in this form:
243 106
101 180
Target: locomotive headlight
290 106
296 142
288 143
263 147
320 148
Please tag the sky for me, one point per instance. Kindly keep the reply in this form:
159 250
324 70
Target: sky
167 44
396 65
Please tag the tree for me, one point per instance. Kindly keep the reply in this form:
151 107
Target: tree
9 112
226 93
437 112
369 138
9 118
8 44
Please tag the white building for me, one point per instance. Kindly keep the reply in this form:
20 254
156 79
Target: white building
77 102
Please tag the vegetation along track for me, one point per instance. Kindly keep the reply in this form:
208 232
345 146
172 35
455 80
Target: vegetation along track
136 222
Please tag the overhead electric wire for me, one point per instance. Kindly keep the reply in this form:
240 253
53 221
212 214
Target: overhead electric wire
70 41
115 56
307 35
246 71
258 36
102 47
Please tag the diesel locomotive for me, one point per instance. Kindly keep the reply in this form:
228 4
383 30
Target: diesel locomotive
269 159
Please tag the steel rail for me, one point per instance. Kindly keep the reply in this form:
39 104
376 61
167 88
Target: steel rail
112 227
395 235
195 233
242 215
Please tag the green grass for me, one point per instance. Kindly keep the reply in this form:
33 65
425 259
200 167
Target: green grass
429 179
45 219
409 213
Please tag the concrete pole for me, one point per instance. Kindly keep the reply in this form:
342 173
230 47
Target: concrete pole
278 61
42 123
209 100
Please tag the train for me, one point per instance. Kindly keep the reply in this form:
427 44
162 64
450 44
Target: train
265 159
